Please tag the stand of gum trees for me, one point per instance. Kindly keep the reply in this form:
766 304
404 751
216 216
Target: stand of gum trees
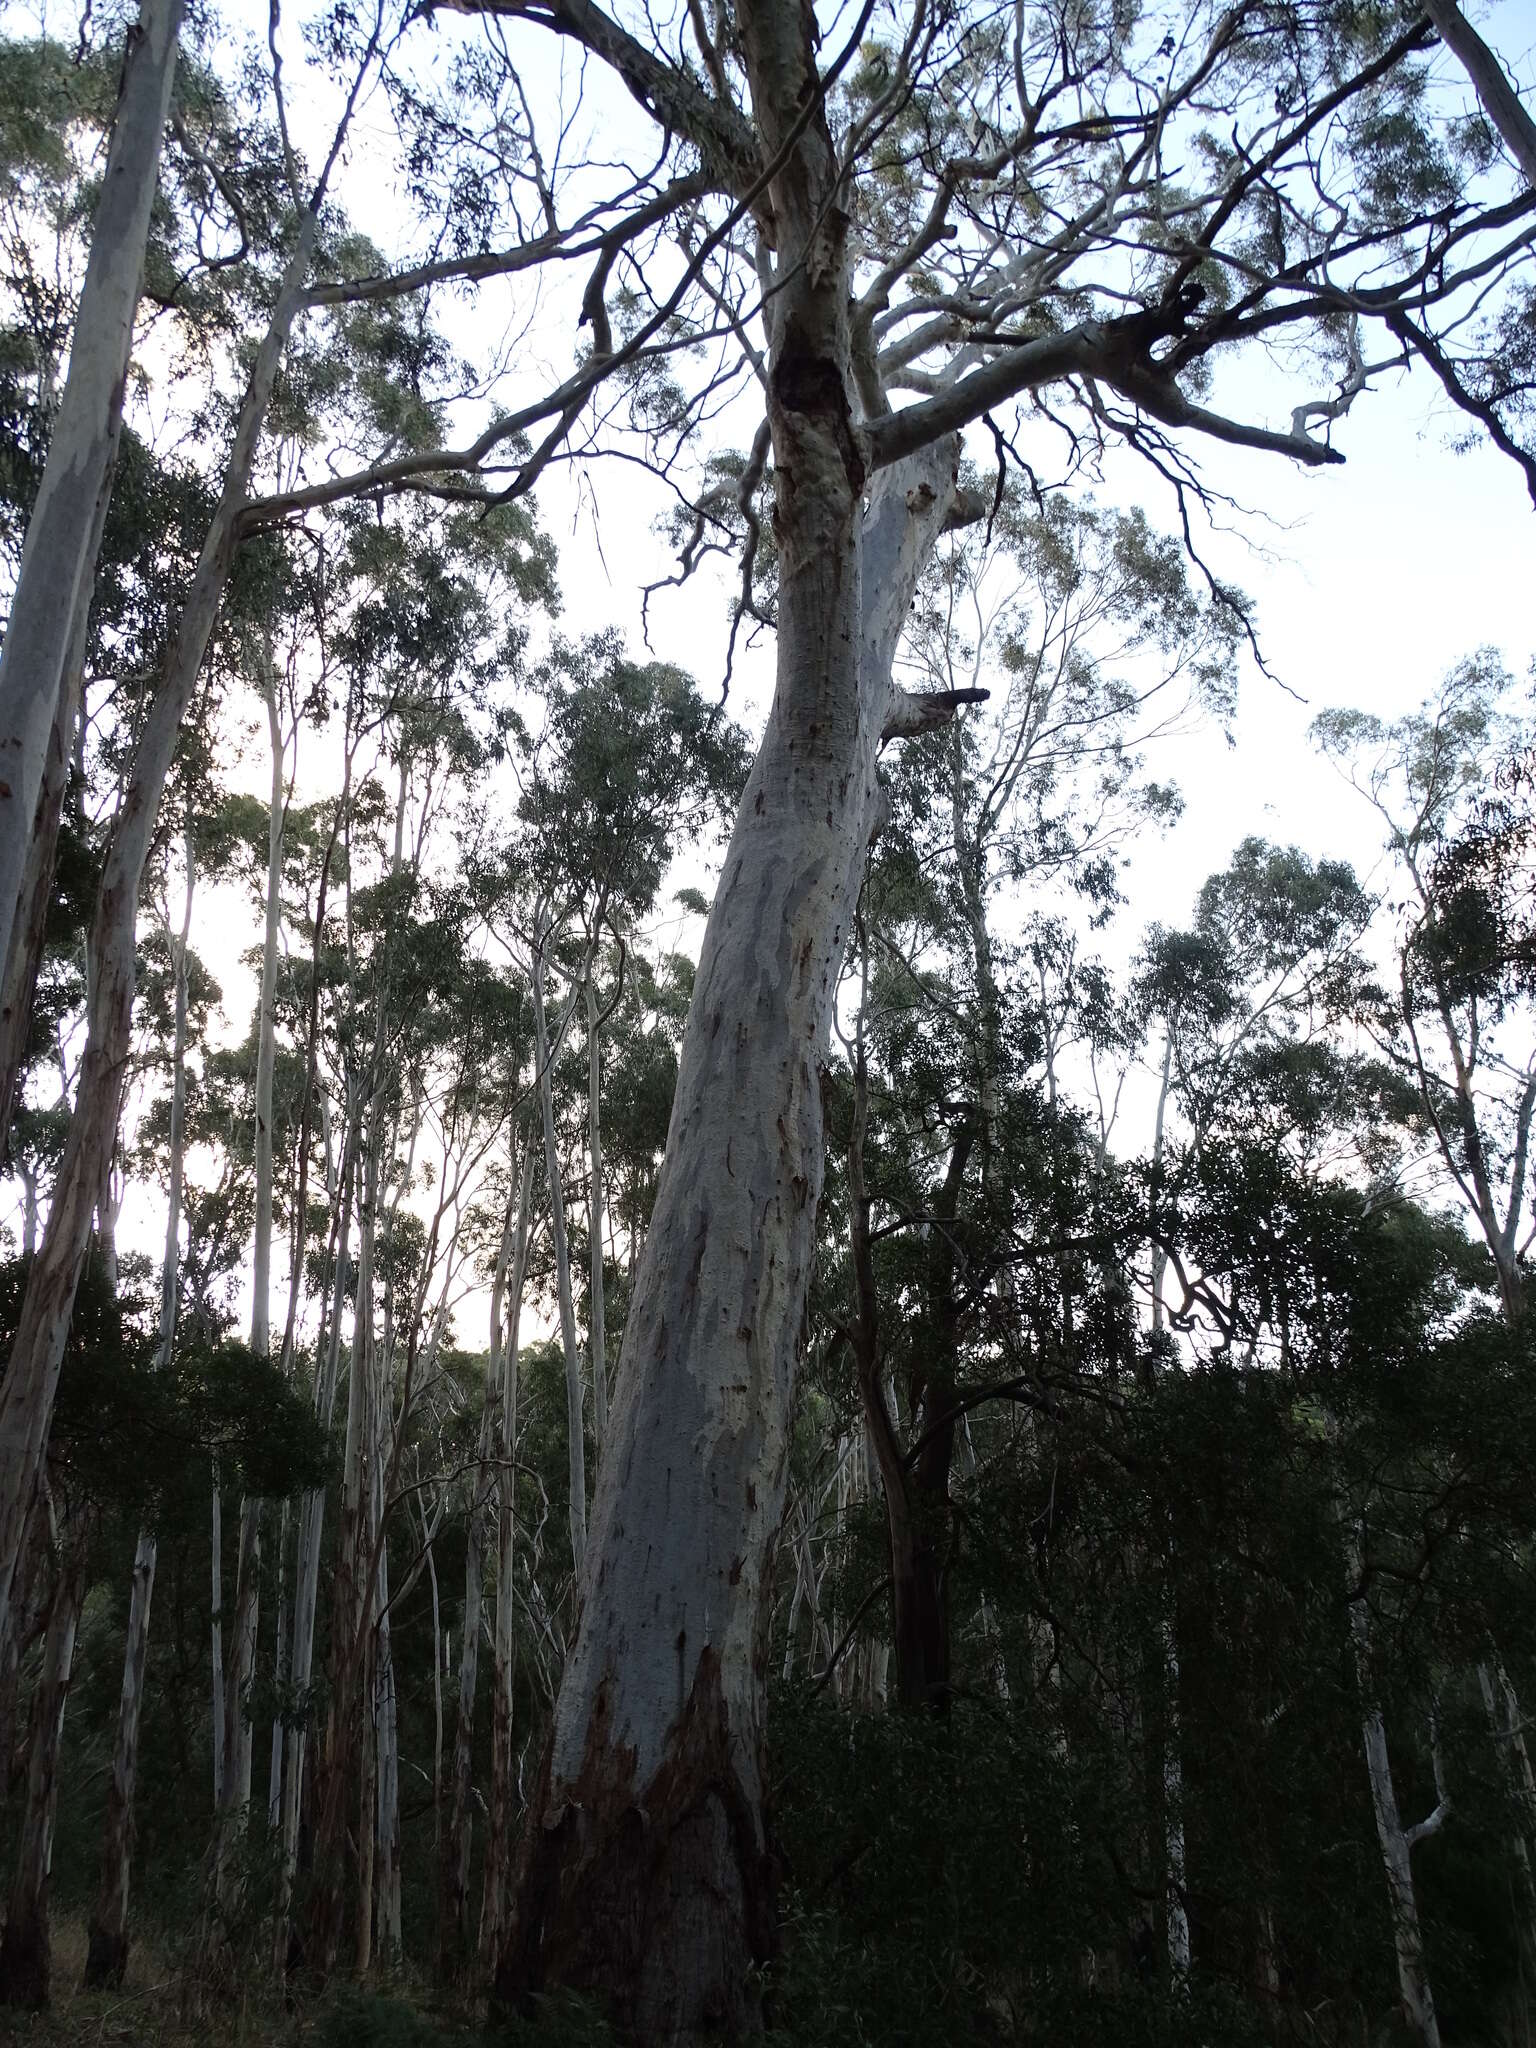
554 1342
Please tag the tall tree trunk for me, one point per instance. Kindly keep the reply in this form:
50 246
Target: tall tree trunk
575 1427
31 1381
596 1305
387 1723
644 1875
1396 1841
347 1745
306 1574
19 988
498 1844
453 1932
58 561
24 1952
107 1950
234 1804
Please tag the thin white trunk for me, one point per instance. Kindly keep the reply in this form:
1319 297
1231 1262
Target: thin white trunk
453 1897
107 1955
216 1656
280 1649
58 561
1396 1841
494 1896
387 1724
238 1729
575 1427
306 1575
1173 1804
596 1315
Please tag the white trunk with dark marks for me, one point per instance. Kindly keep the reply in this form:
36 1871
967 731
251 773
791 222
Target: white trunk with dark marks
58 562
644 1876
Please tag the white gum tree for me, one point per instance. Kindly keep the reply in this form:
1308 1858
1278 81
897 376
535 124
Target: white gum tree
1061 222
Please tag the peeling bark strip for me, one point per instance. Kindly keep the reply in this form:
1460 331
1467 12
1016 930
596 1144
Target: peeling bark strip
644 1875
58 561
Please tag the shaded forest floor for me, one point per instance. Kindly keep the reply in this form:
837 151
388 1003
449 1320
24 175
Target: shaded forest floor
148 2012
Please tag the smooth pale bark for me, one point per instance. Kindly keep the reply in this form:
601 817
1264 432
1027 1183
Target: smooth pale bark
597 1322
1396 1841
58 561
644 1876
31 1381
107 1949
29 930
24 1954
498 1842
574 1425
1501 103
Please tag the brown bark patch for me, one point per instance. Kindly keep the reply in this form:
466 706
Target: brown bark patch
656 1901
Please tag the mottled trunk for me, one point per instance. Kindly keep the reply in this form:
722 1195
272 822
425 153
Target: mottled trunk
644 1876
58 561
574 1425
31 1381
24 1955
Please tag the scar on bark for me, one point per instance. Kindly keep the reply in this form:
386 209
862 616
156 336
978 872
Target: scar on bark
812 385
596 1891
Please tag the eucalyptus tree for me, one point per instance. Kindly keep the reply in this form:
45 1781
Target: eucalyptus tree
871 287
45 633
1459 1023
